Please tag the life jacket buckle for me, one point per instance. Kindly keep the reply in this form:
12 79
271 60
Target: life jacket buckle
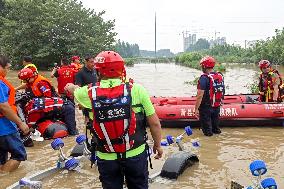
121 156
121 140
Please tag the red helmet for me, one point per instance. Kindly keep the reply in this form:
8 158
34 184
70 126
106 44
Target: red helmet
207 62
75 58
109 64
25 74
264 64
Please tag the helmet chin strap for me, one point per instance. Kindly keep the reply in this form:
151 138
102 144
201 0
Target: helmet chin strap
206 70
123 75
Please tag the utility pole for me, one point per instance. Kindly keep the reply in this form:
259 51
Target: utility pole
245 44
155 37
155 41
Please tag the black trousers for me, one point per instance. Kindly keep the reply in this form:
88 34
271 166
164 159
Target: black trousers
209 119
68 113
135 172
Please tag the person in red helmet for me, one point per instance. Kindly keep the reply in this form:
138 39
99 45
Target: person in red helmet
269 82
39 86
120 111
27 63
210 93
76 63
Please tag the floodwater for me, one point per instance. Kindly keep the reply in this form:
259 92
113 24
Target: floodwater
223 157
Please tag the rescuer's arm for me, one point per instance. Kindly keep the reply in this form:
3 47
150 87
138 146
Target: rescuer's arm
199 97
155 129
22 86
276 83
7 111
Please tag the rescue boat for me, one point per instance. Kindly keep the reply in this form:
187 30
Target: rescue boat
237 110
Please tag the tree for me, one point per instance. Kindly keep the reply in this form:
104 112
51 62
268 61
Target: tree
127 50
201 44
49 29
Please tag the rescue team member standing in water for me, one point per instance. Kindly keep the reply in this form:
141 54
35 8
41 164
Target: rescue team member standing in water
210 93
10 141
64 74
39 86
120 110
27 63
269 82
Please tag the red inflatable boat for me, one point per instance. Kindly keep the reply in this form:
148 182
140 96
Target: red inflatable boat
238 110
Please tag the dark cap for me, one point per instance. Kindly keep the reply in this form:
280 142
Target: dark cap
27 58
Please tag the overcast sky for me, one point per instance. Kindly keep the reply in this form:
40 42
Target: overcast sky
237 20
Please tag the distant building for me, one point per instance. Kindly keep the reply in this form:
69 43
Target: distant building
188 39
193 37
217 41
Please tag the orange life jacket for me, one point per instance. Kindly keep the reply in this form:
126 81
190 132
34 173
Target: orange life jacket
35 88
76 66
12 92
266 85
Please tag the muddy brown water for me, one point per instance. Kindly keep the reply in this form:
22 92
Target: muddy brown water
223 157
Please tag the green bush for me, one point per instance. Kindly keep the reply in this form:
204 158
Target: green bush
129 61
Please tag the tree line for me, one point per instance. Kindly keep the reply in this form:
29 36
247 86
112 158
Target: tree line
50 29
127 50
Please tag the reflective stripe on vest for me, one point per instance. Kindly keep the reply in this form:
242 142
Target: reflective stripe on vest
266 84
126 129
103 127
216 88
32 67
12 93
44 104
126 122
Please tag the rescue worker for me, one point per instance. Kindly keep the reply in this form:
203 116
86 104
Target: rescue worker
120 111
269 82
39 86
87 75
27 63
10 141
76 63
64 74
210 93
